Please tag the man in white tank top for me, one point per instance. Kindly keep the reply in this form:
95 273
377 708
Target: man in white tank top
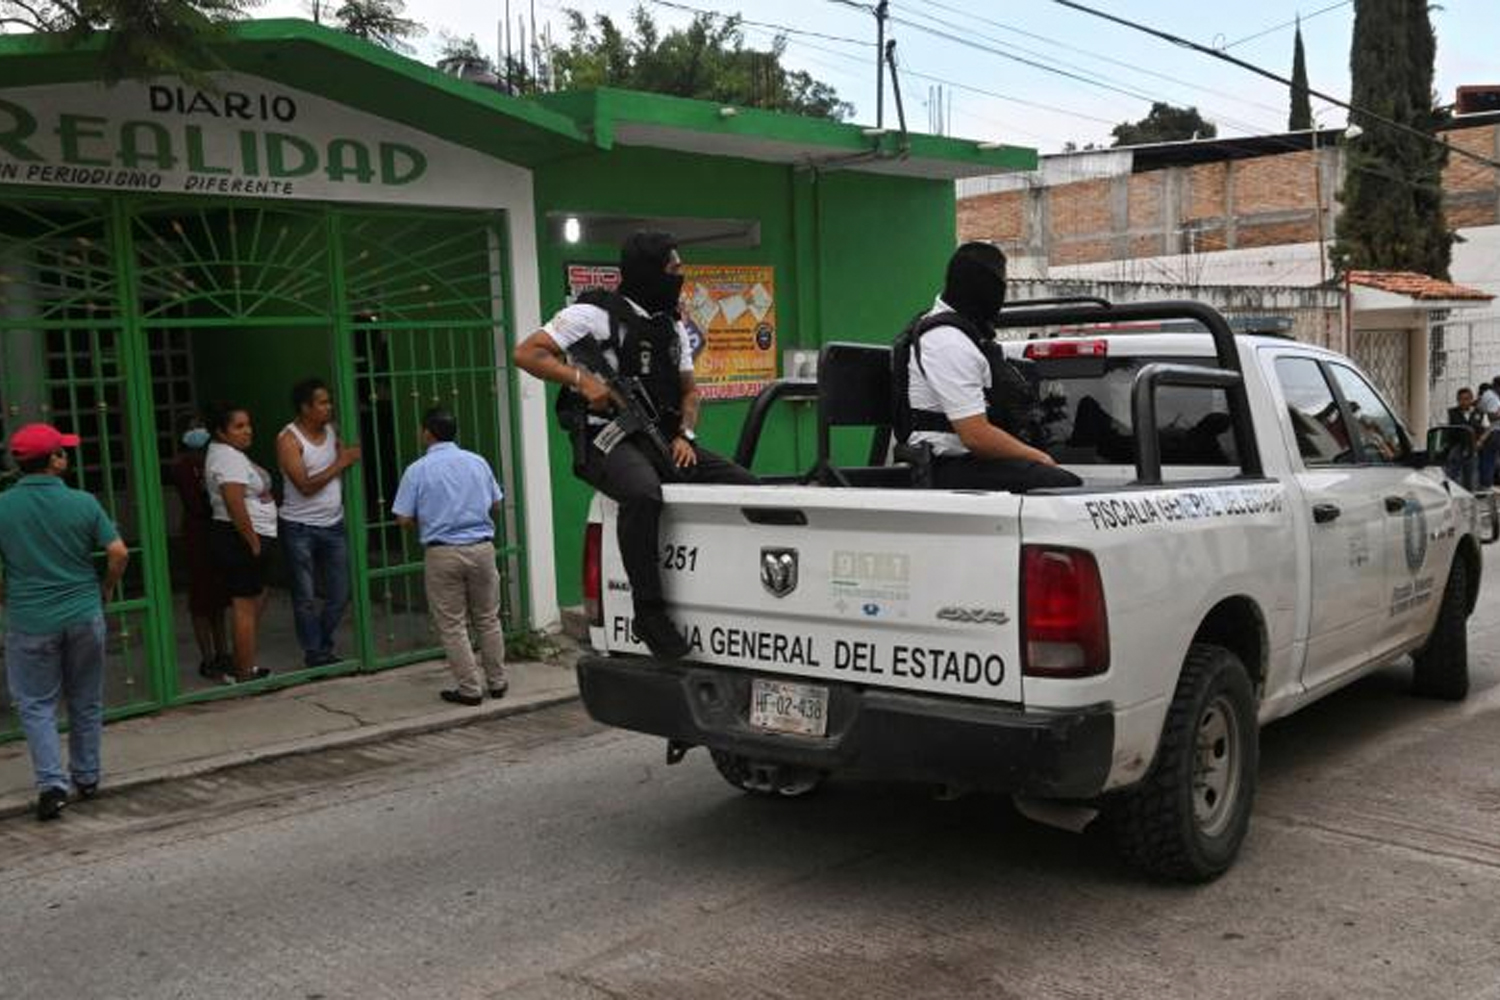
312 519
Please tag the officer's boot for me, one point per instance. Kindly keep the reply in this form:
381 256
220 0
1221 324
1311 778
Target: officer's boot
656 630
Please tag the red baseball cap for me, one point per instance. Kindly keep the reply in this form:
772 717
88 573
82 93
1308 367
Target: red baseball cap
39 441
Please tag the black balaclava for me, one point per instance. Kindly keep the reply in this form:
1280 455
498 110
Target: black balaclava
975 287
643 272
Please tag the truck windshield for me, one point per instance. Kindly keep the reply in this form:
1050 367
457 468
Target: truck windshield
1085 417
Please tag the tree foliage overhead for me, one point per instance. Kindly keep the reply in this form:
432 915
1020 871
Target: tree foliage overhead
383 22
1393 200
707 59
1300 119
1165 123
146 37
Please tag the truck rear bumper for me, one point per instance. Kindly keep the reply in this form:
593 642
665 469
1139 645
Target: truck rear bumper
892 734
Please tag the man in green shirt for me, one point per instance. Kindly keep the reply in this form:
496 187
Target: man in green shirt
54 611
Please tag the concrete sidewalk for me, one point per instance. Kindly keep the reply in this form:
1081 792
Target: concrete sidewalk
195 739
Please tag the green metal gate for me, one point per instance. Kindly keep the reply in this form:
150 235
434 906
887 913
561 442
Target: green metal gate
423 297
68 356
110 305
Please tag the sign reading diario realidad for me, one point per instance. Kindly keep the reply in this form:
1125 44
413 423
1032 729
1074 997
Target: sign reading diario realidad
246 137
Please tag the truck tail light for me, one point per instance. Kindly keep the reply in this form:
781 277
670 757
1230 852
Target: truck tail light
1046 350
1065 630
593 573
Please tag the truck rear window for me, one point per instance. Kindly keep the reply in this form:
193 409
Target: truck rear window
1086 416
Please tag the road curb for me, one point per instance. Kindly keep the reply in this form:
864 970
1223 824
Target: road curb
16 805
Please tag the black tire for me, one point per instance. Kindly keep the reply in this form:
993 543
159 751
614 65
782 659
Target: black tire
1173 825
1442 665
762 778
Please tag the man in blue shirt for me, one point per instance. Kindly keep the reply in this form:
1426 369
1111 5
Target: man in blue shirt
54 611
453 499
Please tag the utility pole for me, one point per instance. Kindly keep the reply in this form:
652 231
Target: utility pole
510 85
882 11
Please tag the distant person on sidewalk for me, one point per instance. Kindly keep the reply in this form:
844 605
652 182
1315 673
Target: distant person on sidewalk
207 599
312 519
1489 450
54 612
453 499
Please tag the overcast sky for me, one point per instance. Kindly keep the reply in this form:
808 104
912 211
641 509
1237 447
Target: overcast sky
1128 70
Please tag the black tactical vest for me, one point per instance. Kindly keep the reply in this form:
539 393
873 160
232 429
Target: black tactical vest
648 348
1011 401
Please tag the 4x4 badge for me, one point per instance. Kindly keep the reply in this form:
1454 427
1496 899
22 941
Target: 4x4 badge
778 570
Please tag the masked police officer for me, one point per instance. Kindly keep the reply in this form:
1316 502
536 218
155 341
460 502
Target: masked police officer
963 399
640 336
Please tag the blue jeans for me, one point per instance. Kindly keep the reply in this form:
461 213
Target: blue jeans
40 669
311 551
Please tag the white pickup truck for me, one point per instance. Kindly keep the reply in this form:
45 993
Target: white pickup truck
1254 531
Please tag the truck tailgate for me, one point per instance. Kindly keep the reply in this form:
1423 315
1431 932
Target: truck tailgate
903 589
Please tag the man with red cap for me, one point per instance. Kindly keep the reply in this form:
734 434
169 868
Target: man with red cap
54 611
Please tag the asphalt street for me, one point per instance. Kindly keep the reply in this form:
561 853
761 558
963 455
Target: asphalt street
541 856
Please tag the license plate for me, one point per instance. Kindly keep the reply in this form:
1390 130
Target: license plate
780 707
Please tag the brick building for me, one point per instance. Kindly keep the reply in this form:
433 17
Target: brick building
1258 212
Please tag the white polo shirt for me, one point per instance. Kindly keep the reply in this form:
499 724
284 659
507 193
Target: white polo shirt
580 320
952 380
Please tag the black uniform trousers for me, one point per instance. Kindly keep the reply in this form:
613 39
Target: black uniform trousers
627 476
1009 475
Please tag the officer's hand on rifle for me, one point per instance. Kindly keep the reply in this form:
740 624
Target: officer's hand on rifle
683 455
600 399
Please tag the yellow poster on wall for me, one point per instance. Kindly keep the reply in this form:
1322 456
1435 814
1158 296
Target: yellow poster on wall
730 313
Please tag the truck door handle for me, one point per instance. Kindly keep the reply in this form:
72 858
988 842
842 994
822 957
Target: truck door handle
1395 505
1325 512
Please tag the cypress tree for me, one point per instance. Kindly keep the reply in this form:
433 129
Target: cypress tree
1301 117
1392 215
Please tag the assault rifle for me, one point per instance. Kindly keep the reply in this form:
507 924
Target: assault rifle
635 412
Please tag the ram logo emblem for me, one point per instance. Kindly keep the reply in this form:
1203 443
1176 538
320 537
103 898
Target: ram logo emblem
778 570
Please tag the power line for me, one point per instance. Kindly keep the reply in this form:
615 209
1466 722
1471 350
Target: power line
1242 64
1091 54
957 85
782 28
1090 79
971 43
1287 24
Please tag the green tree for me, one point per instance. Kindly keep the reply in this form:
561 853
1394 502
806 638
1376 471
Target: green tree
1165 123
383 22
1392 216
458 54
1301 118
144 38
707 59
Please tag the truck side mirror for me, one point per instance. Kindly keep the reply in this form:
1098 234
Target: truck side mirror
1450 438
1452 447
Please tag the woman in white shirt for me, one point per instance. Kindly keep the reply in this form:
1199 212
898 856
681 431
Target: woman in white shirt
243 531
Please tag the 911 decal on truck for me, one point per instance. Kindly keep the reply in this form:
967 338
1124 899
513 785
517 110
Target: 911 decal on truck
1254 530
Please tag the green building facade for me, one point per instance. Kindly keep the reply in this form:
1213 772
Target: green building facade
329 208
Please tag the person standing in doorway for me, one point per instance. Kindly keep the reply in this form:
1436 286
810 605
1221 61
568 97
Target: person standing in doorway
54 612
452 498
243 531
312 519
207 600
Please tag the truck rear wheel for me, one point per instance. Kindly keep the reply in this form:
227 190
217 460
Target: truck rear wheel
1442 665
765 778
1187 819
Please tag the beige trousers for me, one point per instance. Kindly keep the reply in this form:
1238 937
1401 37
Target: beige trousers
463 591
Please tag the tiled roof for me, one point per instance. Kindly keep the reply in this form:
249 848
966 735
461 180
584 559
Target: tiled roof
1416 286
